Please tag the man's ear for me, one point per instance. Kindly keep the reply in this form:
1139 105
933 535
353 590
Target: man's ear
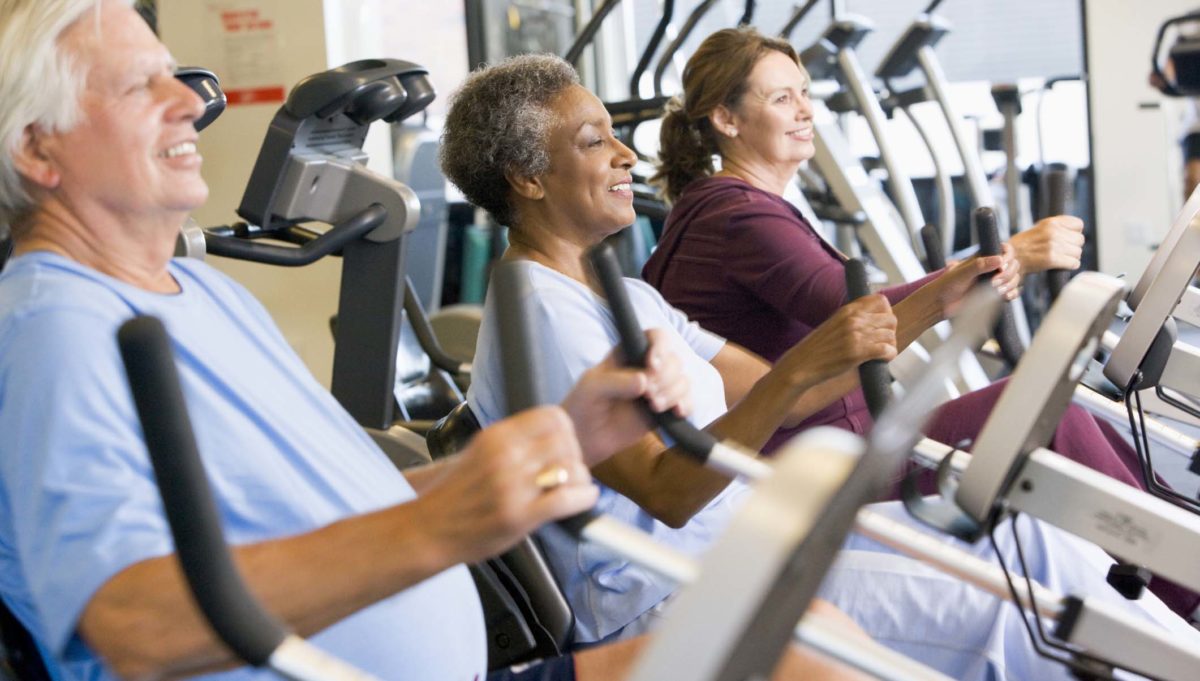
530 188
32 160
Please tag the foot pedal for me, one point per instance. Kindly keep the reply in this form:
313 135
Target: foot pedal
1129 580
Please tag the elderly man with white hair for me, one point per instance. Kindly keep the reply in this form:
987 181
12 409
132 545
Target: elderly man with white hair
99 170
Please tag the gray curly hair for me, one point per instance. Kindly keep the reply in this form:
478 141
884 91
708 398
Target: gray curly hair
40 85
499 123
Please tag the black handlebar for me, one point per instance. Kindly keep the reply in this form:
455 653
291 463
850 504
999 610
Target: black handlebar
424 332
523 384
589 31
1058 193
988 233
230 609
873 373
1168 87
747 14
689 25
660 30
603 258
798 14
328 243
935 250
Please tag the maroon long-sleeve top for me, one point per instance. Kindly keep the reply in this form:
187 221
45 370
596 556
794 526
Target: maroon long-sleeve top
745 264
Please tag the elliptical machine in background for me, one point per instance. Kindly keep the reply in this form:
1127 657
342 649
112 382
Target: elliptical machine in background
311 168
1184 56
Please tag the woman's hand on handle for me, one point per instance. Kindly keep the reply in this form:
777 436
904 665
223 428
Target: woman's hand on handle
1054 243
861 330
960 277
604 404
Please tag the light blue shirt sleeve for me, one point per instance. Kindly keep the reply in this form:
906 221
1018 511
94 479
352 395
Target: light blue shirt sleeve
81 496
78 503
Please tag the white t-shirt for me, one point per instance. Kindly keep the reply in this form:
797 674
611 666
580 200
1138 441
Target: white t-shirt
576 332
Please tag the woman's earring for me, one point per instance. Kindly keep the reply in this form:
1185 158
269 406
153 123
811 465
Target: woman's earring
733 132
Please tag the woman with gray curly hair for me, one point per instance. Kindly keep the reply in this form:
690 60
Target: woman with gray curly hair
524 140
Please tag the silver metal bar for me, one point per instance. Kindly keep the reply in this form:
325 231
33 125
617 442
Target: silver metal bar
1012 174
1098 627
976 179
937 84
641 549
1103 628
944 183
300 660
1120 519
821 634
1182 372
1113 412
1188 309
738 462
953 561
884 234
898 181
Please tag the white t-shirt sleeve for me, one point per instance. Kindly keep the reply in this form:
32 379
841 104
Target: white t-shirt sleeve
704 343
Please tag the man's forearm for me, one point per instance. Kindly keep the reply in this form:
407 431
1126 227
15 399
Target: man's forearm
422 477
144 623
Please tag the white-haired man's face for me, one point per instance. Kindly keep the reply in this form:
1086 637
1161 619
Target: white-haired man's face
133 153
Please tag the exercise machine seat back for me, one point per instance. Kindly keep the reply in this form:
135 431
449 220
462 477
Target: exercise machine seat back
526 613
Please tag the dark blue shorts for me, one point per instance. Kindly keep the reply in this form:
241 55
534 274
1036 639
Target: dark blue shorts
553 669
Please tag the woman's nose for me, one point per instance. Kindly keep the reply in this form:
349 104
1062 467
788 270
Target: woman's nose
627 157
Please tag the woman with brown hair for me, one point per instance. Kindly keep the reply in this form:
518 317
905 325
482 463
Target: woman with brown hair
738 258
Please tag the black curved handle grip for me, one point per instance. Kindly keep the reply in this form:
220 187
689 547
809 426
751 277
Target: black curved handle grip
935 250
988 233
660 30
330 242
1058 195
588 33
690 439
518 353
798 14
424 332
685 31
230 609
873 373
1156 65
747 14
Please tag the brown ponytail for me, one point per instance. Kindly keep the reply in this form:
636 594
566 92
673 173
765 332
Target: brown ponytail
684 153
715 75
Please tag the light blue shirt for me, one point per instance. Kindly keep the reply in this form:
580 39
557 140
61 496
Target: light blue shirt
78 503
577 332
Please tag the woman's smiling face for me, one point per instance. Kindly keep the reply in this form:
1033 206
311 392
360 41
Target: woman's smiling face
774 118
588 185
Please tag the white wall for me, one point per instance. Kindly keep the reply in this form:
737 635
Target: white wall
1135 151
